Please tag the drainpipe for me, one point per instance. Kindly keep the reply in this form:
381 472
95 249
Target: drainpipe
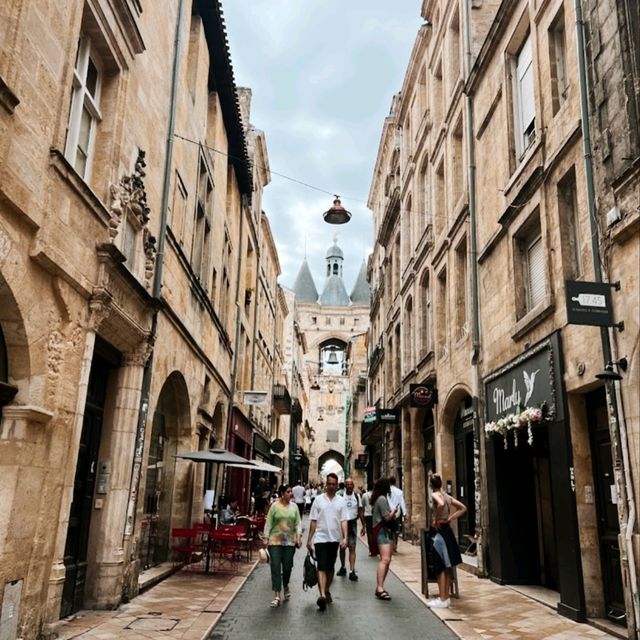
157 284
626 508
480 488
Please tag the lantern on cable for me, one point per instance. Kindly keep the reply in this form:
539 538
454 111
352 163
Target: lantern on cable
337 214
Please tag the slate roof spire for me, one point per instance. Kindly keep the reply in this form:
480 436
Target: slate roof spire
361 293
334 294
304 286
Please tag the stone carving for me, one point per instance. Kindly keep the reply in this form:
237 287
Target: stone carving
129 198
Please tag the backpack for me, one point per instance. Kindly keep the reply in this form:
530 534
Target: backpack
309 572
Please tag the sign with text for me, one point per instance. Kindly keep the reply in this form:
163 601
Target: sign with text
589 303
370 415
422 396
528 381
387 416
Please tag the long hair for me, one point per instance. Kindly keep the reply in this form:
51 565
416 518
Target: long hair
380 488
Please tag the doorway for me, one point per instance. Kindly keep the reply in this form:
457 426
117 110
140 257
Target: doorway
75 552
465 470
606 509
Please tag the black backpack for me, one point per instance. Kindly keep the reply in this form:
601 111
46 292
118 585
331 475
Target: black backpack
309 572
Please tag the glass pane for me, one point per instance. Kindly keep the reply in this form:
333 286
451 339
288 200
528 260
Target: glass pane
85 131
92 78
81 161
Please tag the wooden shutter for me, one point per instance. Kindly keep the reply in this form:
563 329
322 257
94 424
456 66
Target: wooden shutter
535 275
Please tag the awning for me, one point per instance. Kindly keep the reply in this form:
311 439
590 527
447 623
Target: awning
212 455
257 465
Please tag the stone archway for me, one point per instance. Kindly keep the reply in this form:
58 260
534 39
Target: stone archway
331 461
166 500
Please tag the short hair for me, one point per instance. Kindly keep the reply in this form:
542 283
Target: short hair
435 481
332 475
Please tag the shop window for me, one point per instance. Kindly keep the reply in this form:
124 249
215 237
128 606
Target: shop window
85 114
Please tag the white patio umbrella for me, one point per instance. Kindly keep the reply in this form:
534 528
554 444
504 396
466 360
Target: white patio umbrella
257 465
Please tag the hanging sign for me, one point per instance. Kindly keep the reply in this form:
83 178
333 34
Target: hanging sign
370 415
589 303
387 416
255 397
422 396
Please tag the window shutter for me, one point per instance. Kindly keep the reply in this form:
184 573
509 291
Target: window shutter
526 103
535 264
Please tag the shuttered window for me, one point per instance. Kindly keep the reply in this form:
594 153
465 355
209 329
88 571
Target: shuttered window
535 273
524 104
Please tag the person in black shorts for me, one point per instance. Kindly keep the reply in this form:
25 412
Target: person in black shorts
327 533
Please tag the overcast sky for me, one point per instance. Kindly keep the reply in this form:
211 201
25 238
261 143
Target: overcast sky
322 74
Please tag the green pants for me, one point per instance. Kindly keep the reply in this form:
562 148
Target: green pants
281 565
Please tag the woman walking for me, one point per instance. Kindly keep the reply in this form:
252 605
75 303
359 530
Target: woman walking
447 552
283 535
381 538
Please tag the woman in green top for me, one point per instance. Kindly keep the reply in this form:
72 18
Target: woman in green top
283 535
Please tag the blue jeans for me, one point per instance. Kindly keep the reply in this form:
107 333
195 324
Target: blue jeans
281 565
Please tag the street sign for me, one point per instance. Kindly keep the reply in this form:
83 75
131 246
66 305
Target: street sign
589 303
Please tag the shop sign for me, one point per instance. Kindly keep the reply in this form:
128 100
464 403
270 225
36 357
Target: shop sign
529 381
589 303
370 415
422 396
255 397
387 416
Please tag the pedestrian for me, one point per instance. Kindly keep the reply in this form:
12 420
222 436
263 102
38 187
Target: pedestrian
298 497
354 514
447 552
230 512
367 509
260 495
396 501
381 538
327 532
282 535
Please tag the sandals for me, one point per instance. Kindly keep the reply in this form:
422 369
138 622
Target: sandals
287 593
382 595
275 602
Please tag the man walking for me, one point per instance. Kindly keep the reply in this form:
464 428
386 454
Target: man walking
298 497
396 501
327 532
354 513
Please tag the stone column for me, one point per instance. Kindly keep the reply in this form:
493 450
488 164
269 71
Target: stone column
418 494
106 542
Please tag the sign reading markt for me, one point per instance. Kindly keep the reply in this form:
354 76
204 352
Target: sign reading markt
589 303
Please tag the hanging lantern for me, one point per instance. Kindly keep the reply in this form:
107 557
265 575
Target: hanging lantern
337 214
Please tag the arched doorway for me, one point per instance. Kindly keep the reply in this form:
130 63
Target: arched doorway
170 425
465 468
331 462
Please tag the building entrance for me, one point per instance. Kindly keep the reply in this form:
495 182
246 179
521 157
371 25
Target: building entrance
465 473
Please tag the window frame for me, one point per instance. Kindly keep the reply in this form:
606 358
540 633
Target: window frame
525 132
83 98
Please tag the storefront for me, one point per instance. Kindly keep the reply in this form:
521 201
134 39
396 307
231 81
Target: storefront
533 532
240 442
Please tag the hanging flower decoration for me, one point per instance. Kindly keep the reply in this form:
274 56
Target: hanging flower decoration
525 418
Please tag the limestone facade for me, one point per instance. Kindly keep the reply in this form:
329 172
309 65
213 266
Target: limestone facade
131 230
481 215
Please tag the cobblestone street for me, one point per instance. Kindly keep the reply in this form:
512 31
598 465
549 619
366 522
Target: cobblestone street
355 613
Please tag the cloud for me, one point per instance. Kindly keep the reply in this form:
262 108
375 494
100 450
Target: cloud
322 74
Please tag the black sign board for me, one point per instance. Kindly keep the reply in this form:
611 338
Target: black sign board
589 303
387 416
422 395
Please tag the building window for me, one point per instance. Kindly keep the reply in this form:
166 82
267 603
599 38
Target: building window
437 96
202 229
462 312
441 326
178 209
85 108
530 266
408 335
524 110
439 204
425 316
457 160
569 226
424 194
557 61
453 38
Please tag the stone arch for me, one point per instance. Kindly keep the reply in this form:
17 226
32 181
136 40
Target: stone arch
16 356
327 457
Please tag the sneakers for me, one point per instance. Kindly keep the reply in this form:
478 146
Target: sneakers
342 571
353 577
322 603
436 603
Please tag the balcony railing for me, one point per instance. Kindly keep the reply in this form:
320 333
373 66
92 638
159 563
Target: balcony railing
281 399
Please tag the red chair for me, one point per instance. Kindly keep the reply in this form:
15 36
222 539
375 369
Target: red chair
186 546
225 547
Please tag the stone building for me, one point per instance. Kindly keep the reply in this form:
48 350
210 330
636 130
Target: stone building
482 214
334 326
133 250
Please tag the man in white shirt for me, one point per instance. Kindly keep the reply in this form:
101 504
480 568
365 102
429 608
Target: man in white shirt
327 532
298 497
396 501
354 511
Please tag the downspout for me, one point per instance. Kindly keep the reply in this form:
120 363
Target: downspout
476 390
626 509
157 285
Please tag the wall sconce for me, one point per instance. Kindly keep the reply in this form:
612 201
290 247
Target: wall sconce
609 375
315 386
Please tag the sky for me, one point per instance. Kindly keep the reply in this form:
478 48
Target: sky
322 75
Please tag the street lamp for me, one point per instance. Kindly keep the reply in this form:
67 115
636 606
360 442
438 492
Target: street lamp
337 214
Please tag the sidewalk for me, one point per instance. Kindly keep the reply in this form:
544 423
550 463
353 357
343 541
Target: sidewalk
487 610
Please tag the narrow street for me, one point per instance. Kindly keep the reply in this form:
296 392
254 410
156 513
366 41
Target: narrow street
355 613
